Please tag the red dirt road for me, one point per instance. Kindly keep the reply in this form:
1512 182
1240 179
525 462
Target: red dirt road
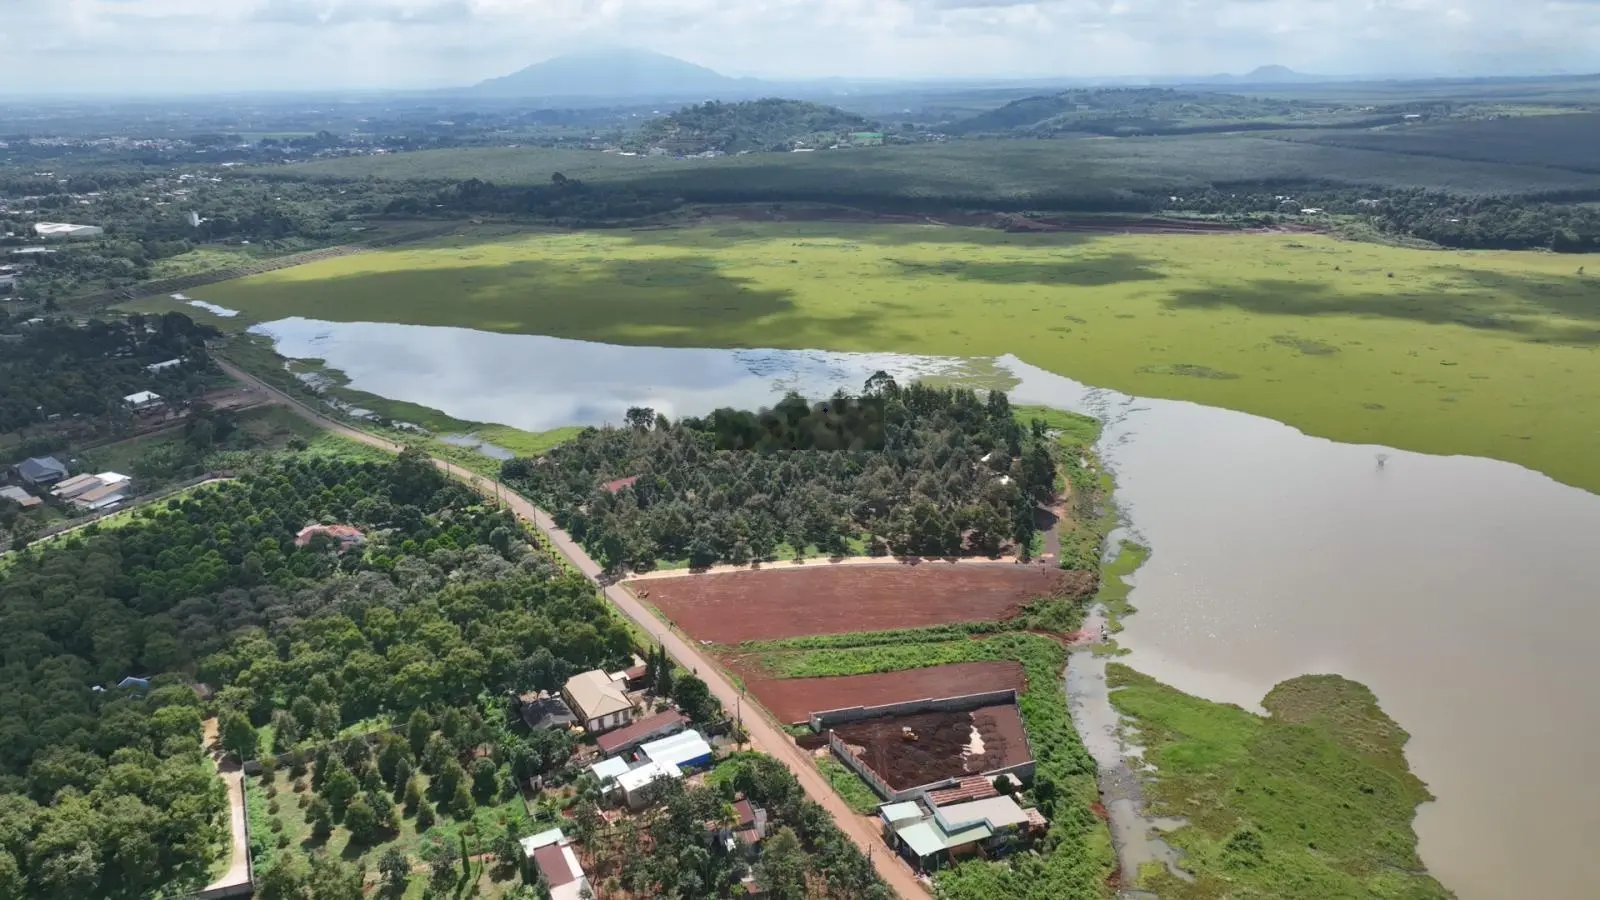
765 736
732 607
793 700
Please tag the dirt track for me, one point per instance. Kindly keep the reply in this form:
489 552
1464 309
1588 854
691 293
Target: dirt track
765 735
793 700
239 854
732 607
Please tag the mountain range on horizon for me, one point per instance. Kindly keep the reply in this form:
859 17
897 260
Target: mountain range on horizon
627 73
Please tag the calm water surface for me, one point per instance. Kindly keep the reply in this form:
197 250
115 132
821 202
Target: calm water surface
1465 592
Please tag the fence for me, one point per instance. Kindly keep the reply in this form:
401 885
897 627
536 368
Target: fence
822 721
859 766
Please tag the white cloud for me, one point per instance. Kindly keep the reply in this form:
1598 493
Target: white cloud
196 45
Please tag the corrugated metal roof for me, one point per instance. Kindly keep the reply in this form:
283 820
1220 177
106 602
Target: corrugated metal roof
634 779
610 768
542 839
975 787
996 812
922 837
899 812
612 741
679 749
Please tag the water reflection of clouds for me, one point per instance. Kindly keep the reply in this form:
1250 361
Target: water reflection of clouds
536 383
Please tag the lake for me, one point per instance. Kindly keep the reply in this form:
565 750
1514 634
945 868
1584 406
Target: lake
1461 590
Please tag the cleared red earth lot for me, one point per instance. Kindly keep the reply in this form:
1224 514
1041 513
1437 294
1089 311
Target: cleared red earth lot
793 700
731 607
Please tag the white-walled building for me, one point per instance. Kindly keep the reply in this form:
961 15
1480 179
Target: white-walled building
63 231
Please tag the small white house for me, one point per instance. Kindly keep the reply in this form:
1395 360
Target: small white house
142 401
67 232
163 365
635 783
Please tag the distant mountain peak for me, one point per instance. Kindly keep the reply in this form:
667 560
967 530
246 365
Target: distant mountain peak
610 72
1275 74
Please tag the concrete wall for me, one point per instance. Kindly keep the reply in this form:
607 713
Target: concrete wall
859 767
1023 772
822 721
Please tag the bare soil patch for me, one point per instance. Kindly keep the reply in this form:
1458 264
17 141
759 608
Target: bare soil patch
732 607
793 700
938 745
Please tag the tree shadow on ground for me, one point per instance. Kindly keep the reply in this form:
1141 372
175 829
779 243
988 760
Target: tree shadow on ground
1115 268
1535 308
683 300
844 227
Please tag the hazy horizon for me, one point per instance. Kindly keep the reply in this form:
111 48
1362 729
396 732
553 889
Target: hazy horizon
125 47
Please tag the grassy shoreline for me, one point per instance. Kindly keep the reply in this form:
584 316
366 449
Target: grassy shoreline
1481 353
1313 800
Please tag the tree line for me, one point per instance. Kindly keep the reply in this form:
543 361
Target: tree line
953 473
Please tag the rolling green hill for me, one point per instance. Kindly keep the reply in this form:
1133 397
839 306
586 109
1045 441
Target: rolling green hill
1125 111
754 125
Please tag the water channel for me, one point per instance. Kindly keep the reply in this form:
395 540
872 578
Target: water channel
1461 590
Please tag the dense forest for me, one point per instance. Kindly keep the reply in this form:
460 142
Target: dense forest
56 371
952 473
105 794
754 125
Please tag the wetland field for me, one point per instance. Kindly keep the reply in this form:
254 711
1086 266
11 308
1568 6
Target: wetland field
1478 353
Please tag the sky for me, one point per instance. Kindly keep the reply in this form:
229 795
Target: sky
203 46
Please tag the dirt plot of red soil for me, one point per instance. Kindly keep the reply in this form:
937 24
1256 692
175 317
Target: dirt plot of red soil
730 607
793 700
943 746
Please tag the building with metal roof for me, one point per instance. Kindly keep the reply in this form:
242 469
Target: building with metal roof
41 470
685 750
635 783
933 836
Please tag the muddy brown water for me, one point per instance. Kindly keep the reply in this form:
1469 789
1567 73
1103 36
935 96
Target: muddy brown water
1465 592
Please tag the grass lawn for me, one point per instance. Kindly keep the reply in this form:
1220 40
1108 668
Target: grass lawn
1314 800
1484 353
849 786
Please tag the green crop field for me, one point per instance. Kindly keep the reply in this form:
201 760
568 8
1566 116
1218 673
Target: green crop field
1035 173
1489 354
1557 141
